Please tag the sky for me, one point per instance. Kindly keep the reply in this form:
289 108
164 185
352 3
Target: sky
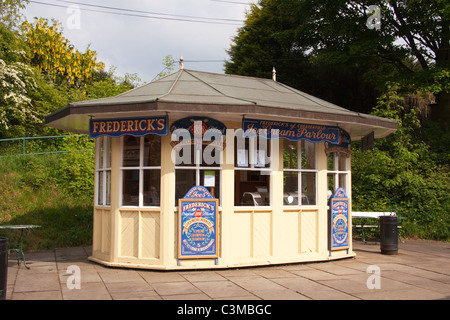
135 36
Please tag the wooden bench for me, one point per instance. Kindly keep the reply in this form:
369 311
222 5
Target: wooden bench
371 215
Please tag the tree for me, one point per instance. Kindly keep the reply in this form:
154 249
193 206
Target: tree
404 174
10 12
411 45
169 65
282 34
413 37
17 79
40 72
56 57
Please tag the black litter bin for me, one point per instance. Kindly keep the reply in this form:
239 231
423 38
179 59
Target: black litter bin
388 235
4 244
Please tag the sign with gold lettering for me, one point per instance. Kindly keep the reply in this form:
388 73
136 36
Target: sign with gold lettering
339 221
292 131
197 225
137 127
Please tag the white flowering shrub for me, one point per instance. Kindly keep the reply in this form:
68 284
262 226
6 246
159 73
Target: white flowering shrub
15 82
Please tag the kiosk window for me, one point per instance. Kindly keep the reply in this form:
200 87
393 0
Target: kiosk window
300 173
141 171
338 172
197 167
252 171
103 171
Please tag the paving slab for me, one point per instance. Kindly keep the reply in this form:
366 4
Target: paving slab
420 271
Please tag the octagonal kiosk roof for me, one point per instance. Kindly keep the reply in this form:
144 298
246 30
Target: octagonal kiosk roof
225 97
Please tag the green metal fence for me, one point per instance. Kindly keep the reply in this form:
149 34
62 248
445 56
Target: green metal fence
32 146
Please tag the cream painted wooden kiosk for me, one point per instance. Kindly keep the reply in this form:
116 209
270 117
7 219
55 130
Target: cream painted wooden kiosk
192 128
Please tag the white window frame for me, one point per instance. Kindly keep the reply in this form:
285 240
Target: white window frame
198 168
103 171
336 172
300 171
141 168
251 165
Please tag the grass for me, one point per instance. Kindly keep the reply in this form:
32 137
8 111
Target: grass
30 194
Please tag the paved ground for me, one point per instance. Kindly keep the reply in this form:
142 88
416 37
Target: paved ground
420 271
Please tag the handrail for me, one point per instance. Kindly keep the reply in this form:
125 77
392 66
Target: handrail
25 139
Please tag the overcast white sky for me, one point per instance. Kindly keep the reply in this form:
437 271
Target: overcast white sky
134 43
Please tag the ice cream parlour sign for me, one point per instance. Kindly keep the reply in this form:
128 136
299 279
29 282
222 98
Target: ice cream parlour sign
197 224
271 129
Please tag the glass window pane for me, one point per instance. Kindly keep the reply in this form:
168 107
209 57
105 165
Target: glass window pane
308 188
290 155
131 151
108 152
108 188
241 156
100 153
252 188
185 179
331 162
290 196
100 188
152 151
343 181
152 187
262 153
331 187
130 195
210 179
342 163
308 155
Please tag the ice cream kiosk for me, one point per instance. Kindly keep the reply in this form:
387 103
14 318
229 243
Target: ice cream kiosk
202 170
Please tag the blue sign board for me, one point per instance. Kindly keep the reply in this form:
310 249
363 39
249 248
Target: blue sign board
137 127
339 221
292 131
204 124
197 225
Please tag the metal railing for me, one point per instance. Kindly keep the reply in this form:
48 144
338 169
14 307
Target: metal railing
23 142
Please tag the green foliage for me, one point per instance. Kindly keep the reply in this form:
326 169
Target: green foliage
10 14
56 57
17 80
169 65
32 191
76 168
324 47
40 72
404 173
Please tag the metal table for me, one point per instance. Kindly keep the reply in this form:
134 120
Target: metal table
24 231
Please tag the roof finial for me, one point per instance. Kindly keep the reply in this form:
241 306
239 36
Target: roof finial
274 74
181 63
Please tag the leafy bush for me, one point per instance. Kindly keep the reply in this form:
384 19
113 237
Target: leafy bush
404 173
54 191
75 174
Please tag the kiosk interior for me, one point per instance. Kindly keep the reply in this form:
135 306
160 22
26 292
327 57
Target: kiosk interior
203 170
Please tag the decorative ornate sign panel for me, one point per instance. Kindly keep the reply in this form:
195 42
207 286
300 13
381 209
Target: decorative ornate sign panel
197 225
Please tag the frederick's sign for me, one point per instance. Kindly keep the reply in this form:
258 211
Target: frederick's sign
339 221
131 126
197 225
